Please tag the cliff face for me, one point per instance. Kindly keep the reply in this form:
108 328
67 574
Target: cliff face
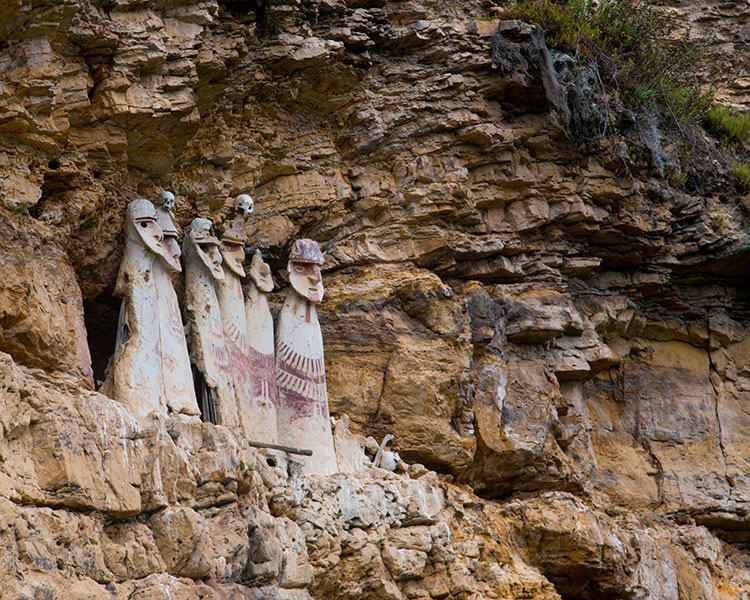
725 31
537 311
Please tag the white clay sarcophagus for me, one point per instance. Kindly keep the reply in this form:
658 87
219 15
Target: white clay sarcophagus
135 376
261 349
208 352
232 305
302 410
177 378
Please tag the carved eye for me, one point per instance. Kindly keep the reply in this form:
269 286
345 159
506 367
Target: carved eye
144 224
299 269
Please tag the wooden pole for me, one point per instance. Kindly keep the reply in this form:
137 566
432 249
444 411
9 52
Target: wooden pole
289 449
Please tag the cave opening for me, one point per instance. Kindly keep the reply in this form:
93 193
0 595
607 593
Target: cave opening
101 315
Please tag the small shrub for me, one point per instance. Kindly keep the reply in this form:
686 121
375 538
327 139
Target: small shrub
615 512
741 171
732 127
625 39
565 25
718 221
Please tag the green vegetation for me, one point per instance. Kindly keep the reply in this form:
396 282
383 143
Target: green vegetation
647 74
731 127
625 41
741 171
718 221
615 511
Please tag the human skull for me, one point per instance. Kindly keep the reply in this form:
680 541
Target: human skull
244 204
166 199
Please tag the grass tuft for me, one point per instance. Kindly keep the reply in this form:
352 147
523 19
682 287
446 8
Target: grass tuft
741 171
731 127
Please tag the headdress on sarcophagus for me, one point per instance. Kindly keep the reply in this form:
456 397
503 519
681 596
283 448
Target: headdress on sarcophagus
140 209
200 231
306 251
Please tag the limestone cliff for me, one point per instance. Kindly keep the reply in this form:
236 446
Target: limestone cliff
556 330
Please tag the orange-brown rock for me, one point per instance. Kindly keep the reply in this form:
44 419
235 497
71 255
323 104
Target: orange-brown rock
41 309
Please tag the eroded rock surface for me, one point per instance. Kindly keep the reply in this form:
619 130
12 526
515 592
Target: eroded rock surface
183 510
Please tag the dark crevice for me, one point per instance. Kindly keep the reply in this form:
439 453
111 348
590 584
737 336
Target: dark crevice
206 397
101 315
711 370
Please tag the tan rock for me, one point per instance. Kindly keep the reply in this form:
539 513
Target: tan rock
401 367
516 445
98 465
658 374
425 501
540 315
600 552
385 130
130 552
265 551
179 533
403 563
411 538
163 584
40 303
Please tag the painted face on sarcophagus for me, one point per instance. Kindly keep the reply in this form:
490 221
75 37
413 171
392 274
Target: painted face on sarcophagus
233 246
260 273
233 254
207 247
171 245
304 269
306 280
141 215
